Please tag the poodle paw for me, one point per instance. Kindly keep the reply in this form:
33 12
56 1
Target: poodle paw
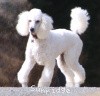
70 85
24 84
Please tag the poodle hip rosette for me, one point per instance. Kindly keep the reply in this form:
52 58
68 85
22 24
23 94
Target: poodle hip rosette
45 45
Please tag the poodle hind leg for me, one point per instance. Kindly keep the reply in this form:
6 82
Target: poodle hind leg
69 75
47 75
79 74
72 57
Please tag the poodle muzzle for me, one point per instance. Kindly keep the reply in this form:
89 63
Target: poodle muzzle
35 36
33 33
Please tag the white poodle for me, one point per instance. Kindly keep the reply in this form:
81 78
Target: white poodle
45 45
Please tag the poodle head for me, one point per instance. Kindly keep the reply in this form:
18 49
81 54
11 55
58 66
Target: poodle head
34 22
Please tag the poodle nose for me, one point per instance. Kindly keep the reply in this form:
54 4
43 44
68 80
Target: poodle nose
32 29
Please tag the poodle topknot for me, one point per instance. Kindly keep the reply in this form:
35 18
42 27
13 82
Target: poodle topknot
63 45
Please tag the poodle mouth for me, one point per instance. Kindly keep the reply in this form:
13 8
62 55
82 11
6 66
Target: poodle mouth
35 36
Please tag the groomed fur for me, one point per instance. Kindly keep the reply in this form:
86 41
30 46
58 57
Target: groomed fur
45 26
79 20
23 23
63 45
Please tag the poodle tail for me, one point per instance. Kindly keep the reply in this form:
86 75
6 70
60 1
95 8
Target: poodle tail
79 20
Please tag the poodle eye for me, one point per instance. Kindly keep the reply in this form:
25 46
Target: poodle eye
30 20
37 21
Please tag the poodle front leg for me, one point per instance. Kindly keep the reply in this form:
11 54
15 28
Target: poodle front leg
47 75
24 72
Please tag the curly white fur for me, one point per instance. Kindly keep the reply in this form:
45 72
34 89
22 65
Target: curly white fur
79 20
45 45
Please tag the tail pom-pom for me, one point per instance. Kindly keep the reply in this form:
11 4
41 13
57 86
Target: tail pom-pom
79 20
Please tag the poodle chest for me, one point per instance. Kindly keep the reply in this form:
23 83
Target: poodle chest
42 53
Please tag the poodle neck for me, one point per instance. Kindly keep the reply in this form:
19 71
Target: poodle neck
37 39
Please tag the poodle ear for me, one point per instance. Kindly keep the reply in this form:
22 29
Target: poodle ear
22 25
47 22
46 26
